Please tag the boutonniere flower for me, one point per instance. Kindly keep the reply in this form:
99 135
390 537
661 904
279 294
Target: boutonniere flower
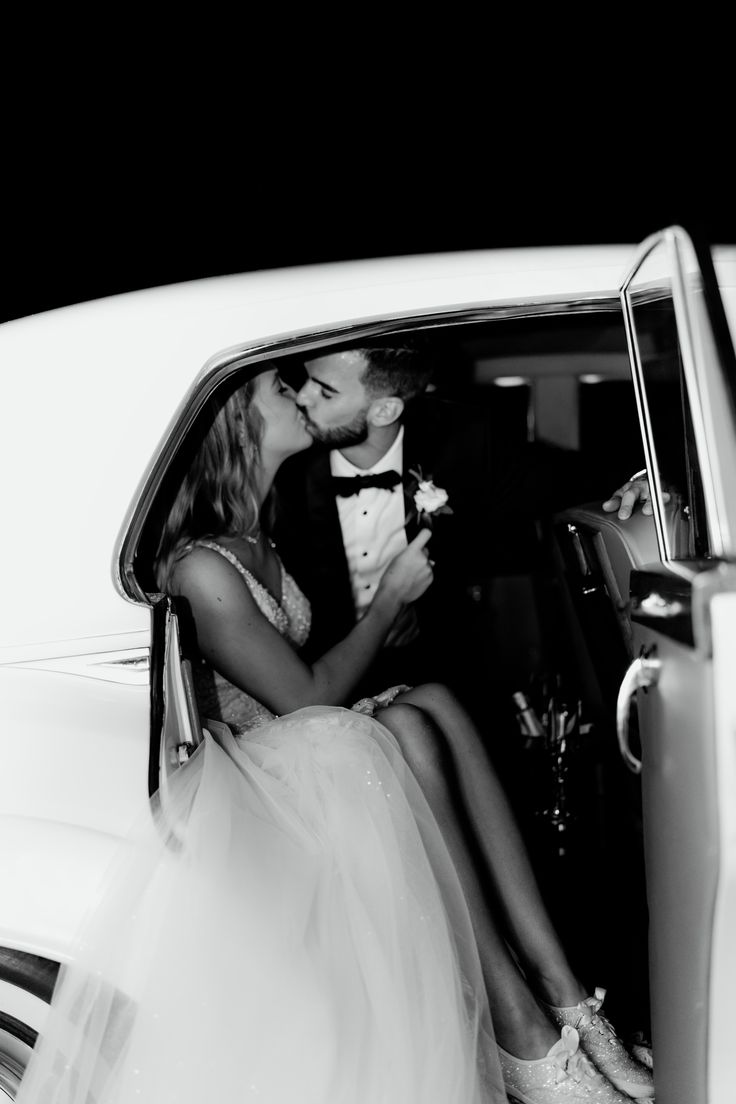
429 499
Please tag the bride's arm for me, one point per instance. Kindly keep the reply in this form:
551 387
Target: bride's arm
238 641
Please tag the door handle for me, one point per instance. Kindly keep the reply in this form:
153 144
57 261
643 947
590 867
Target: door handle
643 672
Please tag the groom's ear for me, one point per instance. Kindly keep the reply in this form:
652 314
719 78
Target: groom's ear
386 410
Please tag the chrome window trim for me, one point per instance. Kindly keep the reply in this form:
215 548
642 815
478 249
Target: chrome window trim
223 363
712 484
127 666
674 240
642 406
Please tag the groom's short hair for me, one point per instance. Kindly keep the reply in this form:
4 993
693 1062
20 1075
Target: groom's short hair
403 369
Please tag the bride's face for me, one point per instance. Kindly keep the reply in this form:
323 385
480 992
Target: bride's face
285 429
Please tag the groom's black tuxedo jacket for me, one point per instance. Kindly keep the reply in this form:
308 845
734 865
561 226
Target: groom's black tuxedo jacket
495 488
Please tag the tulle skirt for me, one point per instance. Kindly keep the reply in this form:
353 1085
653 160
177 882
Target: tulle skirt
289 928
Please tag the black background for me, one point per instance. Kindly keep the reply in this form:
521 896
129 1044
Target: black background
107 193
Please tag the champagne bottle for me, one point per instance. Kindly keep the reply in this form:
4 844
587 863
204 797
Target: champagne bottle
529 723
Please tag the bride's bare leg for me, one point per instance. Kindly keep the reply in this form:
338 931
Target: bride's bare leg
493 824
520 1025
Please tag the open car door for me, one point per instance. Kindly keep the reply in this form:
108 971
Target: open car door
681 687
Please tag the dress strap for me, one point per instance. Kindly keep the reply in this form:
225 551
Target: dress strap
229 556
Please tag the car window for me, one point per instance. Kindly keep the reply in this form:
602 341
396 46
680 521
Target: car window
666 406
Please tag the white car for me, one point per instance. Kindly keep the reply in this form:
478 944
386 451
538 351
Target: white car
97 708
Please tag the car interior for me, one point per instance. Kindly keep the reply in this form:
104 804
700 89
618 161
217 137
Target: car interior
553 625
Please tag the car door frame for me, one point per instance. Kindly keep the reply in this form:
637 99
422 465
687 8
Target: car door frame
176 727
684 631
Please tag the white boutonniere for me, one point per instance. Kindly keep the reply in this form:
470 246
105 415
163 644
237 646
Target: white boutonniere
429 499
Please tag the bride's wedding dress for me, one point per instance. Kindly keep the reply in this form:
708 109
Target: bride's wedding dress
288 929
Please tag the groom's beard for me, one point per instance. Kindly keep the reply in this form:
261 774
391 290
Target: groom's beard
352 433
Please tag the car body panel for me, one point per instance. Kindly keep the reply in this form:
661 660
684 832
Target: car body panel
681 714
51 896
681 875
73 784
721 1058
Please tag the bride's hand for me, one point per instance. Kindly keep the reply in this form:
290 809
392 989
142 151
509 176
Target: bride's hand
409 574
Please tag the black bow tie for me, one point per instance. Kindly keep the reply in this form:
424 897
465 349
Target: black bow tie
347 485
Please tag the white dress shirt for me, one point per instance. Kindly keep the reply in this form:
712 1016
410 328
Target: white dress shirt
372 523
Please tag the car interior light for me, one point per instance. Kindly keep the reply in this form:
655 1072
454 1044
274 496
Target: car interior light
511 381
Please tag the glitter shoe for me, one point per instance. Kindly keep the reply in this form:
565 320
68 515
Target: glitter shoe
602 1045
564 1076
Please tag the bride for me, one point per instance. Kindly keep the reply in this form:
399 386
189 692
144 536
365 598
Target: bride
314 926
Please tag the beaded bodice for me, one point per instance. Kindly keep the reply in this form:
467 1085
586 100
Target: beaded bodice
290 615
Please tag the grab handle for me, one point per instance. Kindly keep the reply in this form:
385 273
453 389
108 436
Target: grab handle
643 672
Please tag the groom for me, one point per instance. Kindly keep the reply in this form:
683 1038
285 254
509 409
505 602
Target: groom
436 463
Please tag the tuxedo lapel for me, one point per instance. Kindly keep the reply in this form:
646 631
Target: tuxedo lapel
420 449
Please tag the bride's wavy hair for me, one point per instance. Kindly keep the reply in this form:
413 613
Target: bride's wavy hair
216 496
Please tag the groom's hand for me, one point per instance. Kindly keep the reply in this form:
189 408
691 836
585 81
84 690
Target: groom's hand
634 491
410 572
